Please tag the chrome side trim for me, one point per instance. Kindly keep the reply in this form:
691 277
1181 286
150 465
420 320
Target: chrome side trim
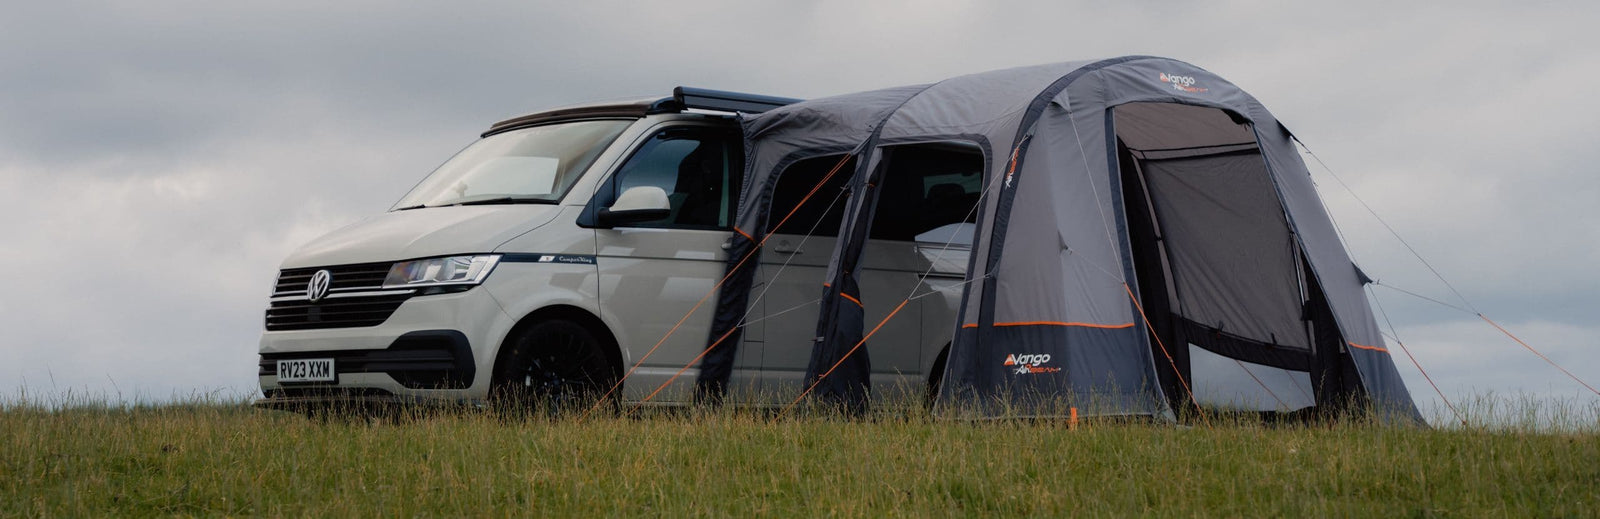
287 293
300 296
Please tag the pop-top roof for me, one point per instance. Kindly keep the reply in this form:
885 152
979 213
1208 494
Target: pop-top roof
683 98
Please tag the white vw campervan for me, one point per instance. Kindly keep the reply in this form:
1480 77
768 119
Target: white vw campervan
549 256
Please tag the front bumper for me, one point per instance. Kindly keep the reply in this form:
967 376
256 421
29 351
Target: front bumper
437 347
352 402
428 359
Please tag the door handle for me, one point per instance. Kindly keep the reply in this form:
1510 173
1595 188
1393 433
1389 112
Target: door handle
784 247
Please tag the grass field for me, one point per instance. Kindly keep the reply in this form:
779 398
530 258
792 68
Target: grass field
221 459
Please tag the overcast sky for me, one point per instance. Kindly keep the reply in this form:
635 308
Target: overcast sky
157 160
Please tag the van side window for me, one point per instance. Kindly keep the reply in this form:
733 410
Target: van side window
796 182
927 186
699 168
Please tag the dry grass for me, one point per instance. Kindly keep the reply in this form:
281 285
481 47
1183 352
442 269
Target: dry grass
214 459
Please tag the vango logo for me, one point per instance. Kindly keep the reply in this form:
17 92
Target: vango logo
1030 363
1184 83
1032 359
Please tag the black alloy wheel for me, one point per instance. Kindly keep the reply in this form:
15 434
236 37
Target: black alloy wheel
554 366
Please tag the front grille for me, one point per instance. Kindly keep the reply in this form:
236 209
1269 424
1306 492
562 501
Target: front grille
355 298
366 276
333 313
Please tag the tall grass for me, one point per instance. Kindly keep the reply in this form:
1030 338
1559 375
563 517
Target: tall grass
213 457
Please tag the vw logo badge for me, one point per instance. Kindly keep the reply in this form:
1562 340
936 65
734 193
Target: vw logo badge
318 287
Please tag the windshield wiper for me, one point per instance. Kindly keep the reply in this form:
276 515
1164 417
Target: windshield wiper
506 200
487 201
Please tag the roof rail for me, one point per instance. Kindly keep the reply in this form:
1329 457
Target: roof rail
718 100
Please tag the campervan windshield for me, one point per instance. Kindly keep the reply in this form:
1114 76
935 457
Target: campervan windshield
530 165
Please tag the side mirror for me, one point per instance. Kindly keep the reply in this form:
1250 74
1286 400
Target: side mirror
637 204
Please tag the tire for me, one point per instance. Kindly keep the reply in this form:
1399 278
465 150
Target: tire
555 366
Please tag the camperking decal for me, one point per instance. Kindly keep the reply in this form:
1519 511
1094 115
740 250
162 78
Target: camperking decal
584 259
1030 363
1184 83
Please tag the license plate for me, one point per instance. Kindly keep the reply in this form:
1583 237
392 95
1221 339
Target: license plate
306 370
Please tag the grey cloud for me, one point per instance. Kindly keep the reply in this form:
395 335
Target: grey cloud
157 160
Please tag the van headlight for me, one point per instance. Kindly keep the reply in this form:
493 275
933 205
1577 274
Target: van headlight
454 270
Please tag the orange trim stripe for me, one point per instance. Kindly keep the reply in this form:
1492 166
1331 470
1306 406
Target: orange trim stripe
1364 347
1057 323
746 235
1012 169
852 299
